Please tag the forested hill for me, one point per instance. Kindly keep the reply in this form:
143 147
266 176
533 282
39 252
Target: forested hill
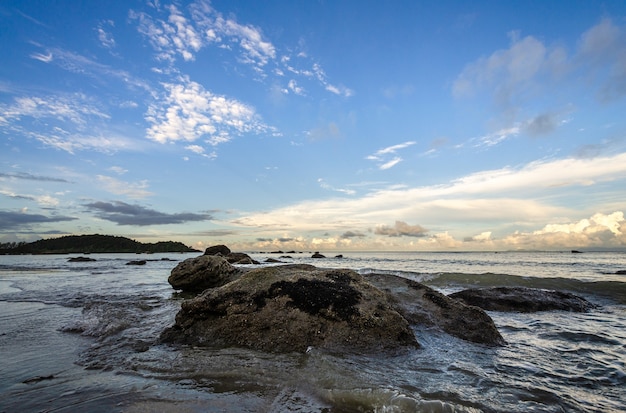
93 244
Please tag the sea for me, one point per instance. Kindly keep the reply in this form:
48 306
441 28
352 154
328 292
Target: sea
84 336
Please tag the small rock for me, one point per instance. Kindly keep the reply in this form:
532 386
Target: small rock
81 259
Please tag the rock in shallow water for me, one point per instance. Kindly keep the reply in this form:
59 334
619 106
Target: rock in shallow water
199 273
422 305
522 299
289 308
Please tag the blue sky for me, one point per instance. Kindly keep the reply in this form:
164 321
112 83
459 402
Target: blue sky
318 125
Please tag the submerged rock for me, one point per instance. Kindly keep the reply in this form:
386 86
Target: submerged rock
522 299
137 262
81 259
422 305
290 308
199 273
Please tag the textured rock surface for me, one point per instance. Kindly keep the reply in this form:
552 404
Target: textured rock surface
289 308
199 273
422 305
522 299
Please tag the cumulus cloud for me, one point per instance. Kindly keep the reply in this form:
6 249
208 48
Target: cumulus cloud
598 231
126 214
188 112
401 229
10 220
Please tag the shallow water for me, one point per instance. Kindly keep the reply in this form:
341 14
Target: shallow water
83 336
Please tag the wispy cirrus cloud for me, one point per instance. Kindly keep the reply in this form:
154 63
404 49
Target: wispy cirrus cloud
538 192
175 32
30 177
132 214
382 156
64 121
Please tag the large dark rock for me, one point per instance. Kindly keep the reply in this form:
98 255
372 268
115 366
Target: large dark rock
199 273
289 308
522 299
231 257
222 250
421 305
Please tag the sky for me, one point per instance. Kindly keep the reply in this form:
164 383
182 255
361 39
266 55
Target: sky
316 125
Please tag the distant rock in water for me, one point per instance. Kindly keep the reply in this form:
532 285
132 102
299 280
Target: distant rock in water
620 272
317 255
136 262
522 299
231 257
81 259
290 308
221 250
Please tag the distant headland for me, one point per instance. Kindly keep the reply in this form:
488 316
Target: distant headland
84 244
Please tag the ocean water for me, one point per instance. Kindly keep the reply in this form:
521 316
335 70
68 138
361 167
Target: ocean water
83 337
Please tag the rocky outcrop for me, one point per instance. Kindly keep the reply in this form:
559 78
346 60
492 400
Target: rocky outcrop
318 255
221 250
422 305
231 257
199 273
522 299
290 308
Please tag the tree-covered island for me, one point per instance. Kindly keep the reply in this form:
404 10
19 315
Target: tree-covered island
83 244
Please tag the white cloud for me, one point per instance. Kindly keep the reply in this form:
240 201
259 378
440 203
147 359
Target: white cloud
390 164
496 198
381 157
133 190
509 71
105 37
184 32
46 58
118 170
188 112
528 65
325 185
75 108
